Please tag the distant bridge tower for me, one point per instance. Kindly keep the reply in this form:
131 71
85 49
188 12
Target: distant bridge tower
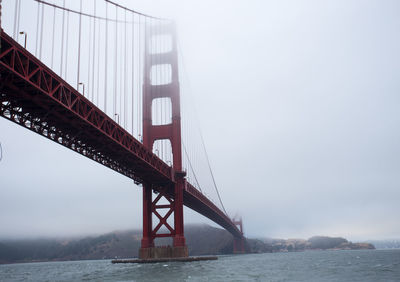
173 193
238 242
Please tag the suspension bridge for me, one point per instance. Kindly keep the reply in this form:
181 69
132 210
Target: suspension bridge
103 80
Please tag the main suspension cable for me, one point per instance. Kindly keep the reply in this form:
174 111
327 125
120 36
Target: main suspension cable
204 148
133 11
212 175
93 16
191 167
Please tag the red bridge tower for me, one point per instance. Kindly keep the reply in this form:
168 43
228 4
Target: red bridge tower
238 242
173 193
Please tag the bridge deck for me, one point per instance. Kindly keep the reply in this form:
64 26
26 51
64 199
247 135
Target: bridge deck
35 97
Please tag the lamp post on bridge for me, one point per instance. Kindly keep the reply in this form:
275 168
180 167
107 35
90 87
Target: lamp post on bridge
25 36
83 86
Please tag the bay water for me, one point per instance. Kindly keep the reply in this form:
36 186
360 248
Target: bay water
360 265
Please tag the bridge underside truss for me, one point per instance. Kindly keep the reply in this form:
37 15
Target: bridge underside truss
34 97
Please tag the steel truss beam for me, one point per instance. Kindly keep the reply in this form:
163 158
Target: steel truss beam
35 97
163 193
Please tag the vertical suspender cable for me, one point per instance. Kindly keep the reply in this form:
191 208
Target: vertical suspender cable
155 69
98 64
105 62
79 46
115 62
18 19
41 34
154 66
133 67
37 28
125 81
153 75
62 40
166 104
94 48
15 19
144 35
67 48
140 79
89 58
52 39
141 72
120 77
159 80
160 75
146 70
162 101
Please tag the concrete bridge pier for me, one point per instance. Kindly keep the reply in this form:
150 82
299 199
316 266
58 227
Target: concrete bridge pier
239 245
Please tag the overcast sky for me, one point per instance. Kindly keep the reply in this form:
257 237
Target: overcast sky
298 103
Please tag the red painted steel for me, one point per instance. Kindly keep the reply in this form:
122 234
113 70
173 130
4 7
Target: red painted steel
36 98
194 199
171 131
238 242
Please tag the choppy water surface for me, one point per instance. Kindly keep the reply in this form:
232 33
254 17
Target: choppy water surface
368 265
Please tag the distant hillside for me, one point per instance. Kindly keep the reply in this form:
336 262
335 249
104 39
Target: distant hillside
105 246
201 240
314 243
